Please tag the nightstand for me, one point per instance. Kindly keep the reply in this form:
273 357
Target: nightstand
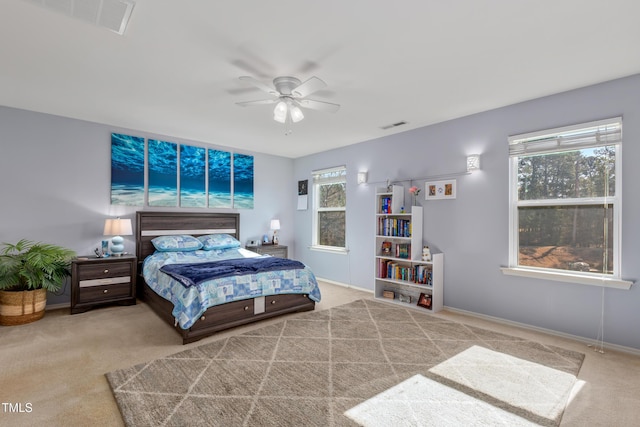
99 281
280 251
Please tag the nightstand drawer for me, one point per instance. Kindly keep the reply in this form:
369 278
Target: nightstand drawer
102 293
107 281
104 270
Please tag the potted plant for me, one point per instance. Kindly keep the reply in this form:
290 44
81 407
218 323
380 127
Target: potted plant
27 271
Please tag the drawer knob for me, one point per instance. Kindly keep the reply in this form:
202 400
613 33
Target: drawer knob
246 308
202 318
273 302
106 271
105 291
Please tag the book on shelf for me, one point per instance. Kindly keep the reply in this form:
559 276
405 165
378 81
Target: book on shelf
394 227
424 275
419 274
385 205
403 250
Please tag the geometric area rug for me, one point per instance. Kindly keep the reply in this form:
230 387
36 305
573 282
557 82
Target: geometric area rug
364 363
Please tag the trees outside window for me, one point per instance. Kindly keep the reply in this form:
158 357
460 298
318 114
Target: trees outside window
565 199
330 202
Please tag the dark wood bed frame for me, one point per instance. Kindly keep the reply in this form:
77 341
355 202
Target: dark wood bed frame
152 224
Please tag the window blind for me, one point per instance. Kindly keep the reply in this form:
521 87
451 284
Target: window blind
570 138
330 175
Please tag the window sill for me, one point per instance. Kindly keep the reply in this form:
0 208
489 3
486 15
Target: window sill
605 282
330 249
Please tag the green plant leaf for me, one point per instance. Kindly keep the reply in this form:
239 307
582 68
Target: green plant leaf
28 265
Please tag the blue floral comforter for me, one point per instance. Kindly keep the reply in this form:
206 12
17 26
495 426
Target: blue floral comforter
191 302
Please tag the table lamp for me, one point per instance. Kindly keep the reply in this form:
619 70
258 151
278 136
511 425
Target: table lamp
117 228
275 226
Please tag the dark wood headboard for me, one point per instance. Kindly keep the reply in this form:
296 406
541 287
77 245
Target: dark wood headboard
152 224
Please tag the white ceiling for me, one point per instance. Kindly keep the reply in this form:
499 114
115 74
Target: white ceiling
175 71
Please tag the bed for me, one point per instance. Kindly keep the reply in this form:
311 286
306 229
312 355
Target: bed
228 312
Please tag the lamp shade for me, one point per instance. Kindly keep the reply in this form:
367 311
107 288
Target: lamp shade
296 114
280 112
118 227
275 224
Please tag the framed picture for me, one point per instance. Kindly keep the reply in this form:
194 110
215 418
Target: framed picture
303 187
439 190
425 301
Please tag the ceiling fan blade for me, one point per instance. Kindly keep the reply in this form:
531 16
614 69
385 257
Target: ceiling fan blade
327 107
258 102
259 85
308 87
307 67
256 70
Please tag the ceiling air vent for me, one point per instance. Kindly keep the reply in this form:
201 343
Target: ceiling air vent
393 125
111 14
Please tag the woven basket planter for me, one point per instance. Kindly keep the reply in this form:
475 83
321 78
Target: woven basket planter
18 308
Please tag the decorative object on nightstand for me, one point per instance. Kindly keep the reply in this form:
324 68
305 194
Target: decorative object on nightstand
100 281
280 251
117 228
103 250
275 226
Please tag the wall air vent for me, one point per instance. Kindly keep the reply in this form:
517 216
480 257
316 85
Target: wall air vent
111 14
393 125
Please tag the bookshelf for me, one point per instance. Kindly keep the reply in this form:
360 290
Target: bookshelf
400 271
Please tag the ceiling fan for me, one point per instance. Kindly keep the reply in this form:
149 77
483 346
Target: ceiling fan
289 94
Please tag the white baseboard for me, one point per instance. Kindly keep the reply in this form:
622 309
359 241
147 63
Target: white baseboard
587 341
344 285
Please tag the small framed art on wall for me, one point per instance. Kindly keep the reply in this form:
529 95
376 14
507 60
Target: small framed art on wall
439 190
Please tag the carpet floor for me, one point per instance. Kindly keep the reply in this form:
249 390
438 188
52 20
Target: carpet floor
364 363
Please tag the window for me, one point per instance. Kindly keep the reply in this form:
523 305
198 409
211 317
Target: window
329 206
565 202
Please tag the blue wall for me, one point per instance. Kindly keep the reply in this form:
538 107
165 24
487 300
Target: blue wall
472 230
56 184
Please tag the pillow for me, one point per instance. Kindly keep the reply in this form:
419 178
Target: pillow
179 242
218 241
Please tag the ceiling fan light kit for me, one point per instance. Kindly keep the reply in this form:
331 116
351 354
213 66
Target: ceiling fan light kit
296 114
289 95
280 112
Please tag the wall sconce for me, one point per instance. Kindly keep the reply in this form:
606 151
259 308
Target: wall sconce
473 162
362 177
